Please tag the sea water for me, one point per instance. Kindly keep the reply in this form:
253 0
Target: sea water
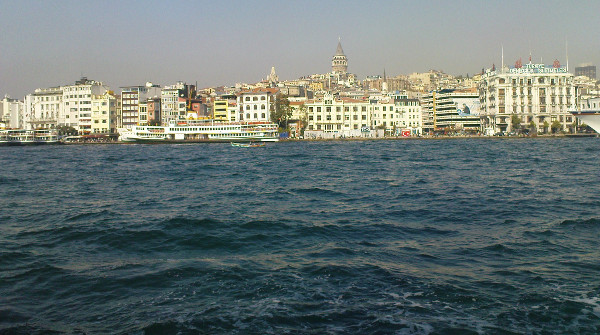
464 236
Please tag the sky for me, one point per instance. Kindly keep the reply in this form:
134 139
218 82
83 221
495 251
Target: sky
213 43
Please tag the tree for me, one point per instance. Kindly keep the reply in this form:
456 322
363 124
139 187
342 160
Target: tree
556 126
66 130
546 125
532 127
515 121
281 111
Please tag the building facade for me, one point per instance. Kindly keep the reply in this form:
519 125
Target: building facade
256 105
11 113
347 117
104 113
77 104
537 95
43 108
587 71
451 111
131 99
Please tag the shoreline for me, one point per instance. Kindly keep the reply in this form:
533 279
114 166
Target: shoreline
441 137
359 139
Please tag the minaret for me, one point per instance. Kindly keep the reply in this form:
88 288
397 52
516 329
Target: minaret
384 85
339 63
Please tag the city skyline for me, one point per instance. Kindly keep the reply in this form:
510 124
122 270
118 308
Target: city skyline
54 43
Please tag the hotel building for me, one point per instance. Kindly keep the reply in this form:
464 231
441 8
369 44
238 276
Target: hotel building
43 109
536 93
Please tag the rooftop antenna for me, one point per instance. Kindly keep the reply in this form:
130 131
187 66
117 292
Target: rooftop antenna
502 57
567 51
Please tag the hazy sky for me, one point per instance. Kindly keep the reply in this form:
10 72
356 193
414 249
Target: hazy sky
52 43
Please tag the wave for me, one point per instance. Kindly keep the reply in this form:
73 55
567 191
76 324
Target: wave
316 190
593 222
85 216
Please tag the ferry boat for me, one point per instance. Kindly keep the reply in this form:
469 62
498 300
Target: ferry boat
591 117
202 131
27 136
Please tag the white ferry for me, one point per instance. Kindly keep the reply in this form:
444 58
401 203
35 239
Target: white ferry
202 131
26 136
591 117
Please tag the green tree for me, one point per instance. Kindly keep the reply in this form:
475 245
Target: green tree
281 111
556 126
532 127
546 125
66 130
515 121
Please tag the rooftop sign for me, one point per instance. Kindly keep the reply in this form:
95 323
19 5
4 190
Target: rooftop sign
539 68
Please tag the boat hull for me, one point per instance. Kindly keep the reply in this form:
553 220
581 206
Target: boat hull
589 117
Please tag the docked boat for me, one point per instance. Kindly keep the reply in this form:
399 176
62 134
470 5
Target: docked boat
28 136
202 131
591 117
247 145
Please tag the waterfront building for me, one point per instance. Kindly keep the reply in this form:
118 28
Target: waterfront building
537 95
132 97
586 70
336 116
104 113
174 100
224 109
77 104
153 107
43 109
451 111
394 116
11 112
589 103
256 105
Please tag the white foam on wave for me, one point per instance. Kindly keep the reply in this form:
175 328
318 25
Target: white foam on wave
594 302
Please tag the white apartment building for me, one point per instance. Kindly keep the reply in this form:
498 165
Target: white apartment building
347 117
104 113
43 108
396 115
11 112
77 102
255 105
536 93
174 101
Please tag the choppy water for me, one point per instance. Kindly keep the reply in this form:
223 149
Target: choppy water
377 237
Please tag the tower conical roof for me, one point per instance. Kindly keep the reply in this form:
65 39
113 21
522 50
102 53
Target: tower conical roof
339 51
